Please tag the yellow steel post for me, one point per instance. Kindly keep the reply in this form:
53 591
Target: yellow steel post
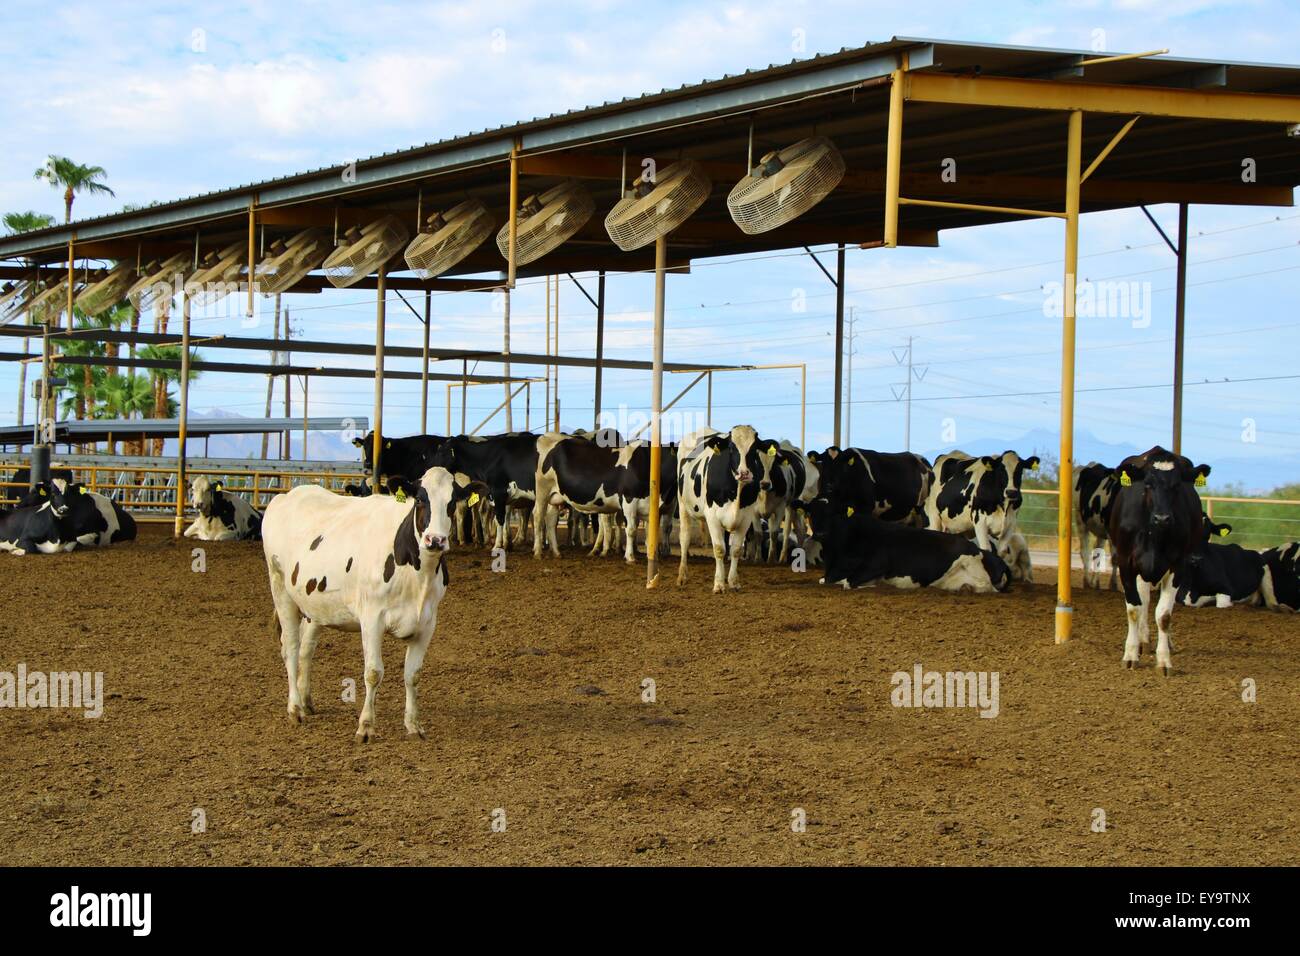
71 279
377 449
183 423
514 216
894 155
656 403
424 367
1064 503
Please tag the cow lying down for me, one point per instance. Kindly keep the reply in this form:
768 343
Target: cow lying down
859 550
61 516
1220 575
375 565
223 516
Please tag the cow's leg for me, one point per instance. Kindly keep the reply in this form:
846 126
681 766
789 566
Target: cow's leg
309 636
1085 556
1164 614
372 636
539 518
1114 570
982 537
415 650
1133 606
718 539
737 543
631 518
786 527
290 639
684 539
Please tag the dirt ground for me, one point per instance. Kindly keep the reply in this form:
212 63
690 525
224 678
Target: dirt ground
770 700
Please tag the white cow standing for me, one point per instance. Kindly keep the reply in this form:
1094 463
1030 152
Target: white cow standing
375 565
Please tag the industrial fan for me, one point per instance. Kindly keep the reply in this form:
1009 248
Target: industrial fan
545 221
158 278
49 304
14 292
218 275
651 209
364 249
106 292
451 236
786 184
288 261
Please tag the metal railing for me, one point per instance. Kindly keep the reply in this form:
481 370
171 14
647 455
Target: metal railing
147 486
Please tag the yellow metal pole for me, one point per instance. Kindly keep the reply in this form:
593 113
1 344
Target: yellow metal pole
656 403
71 279
424 368
183 424
1064 499
252 251
378 447
893 157
514 216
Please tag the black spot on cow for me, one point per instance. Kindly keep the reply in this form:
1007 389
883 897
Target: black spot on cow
321 586
406 550
349 566
311 585
293 578
390 568
446 576
316 544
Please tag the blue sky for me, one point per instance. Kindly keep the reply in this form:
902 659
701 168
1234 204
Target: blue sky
180 98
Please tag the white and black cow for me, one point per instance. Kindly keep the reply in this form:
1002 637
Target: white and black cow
1094 496
719 479
34 528
894 486
1280 587
223 516
91 520
1218 574
859 549
1155 526
506 464
407 458
977 496
804 477
374 565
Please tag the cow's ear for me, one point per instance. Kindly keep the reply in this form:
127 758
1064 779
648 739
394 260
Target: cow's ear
1201 472
388 444
219 487
1129 474
1223 530
1031 463
42 492
359 442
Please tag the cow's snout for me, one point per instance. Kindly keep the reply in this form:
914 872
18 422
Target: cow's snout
765 485
60 511
435 542
1160 519
744 475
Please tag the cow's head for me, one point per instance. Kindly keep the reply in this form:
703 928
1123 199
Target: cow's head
46 493
998 572
1015 467
750 458
1163 480
203 495
434 507
367 446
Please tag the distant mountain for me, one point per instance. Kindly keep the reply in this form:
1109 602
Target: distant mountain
321 445
1253 475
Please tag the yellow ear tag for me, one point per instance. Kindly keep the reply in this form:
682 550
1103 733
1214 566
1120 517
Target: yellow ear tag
1034 466
1200 481
1124 479
388 444
218 486
473 499
42 492
848 512
771 452
400 497
1223 532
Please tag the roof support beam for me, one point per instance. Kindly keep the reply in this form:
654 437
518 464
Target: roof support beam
1010 93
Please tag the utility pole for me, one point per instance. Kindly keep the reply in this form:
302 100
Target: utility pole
848 412
903 390
270 379
288 413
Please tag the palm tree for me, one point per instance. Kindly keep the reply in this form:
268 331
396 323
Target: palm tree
164 405
16 222
73 178
125 396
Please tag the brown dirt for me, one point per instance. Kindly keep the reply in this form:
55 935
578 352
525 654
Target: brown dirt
774 698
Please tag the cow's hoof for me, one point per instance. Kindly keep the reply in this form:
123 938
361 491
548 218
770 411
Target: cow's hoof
734 587
297 715
308 707
416 734
365 735
1129 665
719 589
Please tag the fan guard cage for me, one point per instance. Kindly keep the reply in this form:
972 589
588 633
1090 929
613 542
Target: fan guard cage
106 292
155 277
214 282
561 211
679 190
365 251
464 228
47 306
281 272
811 169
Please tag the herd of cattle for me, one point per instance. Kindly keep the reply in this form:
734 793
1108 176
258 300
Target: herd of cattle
375 563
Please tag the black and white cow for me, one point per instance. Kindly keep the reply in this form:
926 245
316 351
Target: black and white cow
223 516
804 477
893 485
977 496
719 479
34 528
1156 524
90 519
506 464
407 458
374 565
859 549
1218 574
1094 496
1280 586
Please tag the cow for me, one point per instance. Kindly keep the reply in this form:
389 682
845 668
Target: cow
893 485
90 519
1013 549
976 496
1156 524
223 516
23 477
1094 496
719 479
860 549
34 528
407 458
1280 585
1217 574
375 565
804 477
506 464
